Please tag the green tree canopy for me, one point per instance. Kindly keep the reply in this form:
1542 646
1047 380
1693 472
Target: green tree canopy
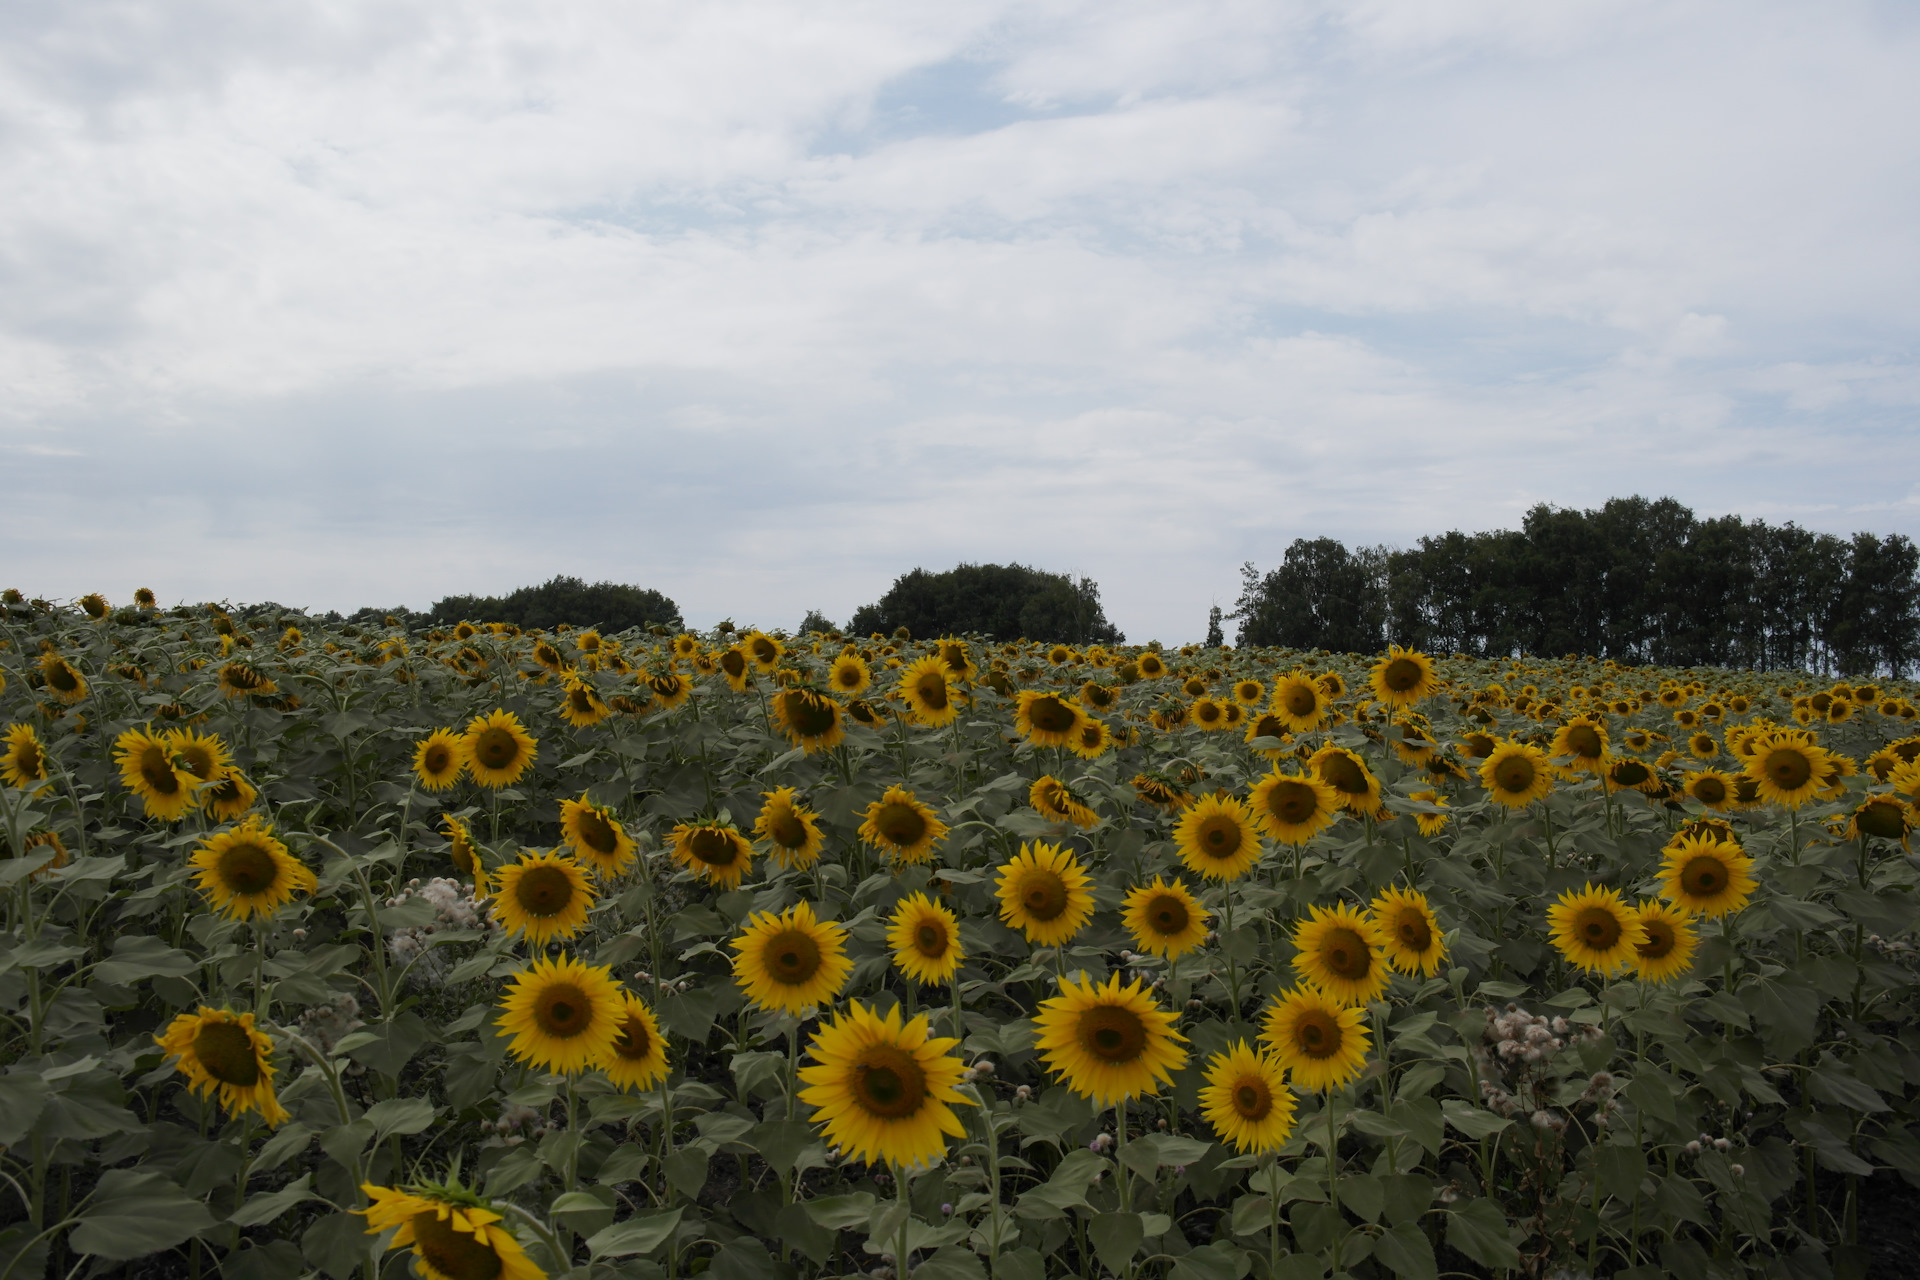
1004 601
611 606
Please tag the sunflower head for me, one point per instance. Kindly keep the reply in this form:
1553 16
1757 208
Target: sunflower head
596 837
24 764
1706 876
1409 932
545 896
1347 774
1165 919
788 829
884 1089
1108 1042
562 1015
1515 774
1046 893
714 849
1321 1042
1403 677
247 872
1667 952
221 1052
1339 950
1246 1099
1293 808
1595 929
925 939
1046 719
440 758
790 960
906 829
1216 838
638 1059
1056 800
499 749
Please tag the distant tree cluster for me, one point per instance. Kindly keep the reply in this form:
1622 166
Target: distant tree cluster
1636 580
610 606
1004 601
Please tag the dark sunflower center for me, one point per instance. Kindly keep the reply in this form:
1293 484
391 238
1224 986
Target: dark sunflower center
1515 774
157 771
1220 837
496 748
1584 742
438 758
1346 955
582 701
888 1083
543 891
1882 818
764 652
633 1042
1402 674
792 957
1710 790
1206 712
1112 1034
27 759
598 834
809 715
930 939
932 690
1317 1035
1344 775
1269 726
1050 715
1252 1099
715 848
1292 802
788 831
563 1011
198 762
1043 894
1703 876
1660 940
902 824
247 868
1411 928
1787 769
1631 773
461 854
1598 928
62 677
452 1252
734 663
1301 701
1168 915
226 1051
1479 746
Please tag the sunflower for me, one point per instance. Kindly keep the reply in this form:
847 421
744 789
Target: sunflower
954 653
1046 719
1713 789
898 823
1668 951
1161 792
465 858
1293 809
1595 929
1430 824
1516 774
580 703
1320 1041
715 849
765 651
1583 741
1091 740
25 761
1626 773
247 872
790 960
685 646
925 938
1248 692
166 790
243 680
454 1236
1403 677
201 754
669 688
810 720
1409 932
849 675
1215 837
63 679
1883 817
1150 666
1300 704
499 750
1702 746
1209 714
543 895
1058 802
596 837
1347 773
440 758
1340 952
639 1056
789 830
1109 1043
884 1089
1165 919
1246 1099
1787 768
564 1016
929 697
1706 876
218 1050
1044 891
737 668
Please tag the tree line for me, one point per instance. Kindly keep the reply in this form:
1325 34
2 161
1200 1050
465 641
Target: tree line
1636 580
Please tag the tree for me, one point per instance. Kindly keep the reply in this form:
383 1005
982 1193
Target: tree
1215 637
610 606
1005 602
1321 597
816 621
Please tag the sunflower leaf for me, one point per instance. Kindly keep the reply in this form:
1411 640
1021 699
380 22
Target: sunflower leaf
133 1213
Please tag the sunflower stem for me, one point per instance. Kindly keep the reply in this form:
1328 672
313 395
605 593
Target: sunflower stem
573 1139
901 1265
1333 1182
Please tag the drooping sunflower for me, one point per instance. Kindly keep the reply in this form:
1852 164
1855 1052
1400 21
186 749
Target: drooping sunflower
1046 893
1246 1099
1215 837
247 872
1705 876
1109 1043
1161 792
1595 929
220 1051
1403 677
1046 719
1668 950
64 680
669 688
544 896
596 837
1787 768
230 796
1516 774
1409 932
638 1059
810 719
1627 774
1882 817
464 856
1430 824
1340 952
929 696
884 1089
925 939
499 749
1165 919
899 824
580 703
1347 773
452 1234
1057 801
440 758
1320 1041
790 830
1583 741
244 680
849 675
25 761
715 849
165 789
564 1016
790 960
1292 808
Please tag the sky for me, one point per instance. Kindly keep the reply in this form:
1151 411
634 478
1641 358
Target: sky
368 302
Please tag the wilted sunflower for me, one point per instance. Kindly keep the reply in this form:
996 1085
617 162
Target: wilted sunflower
1046 893
715 849
247 872
1247 1101
1430 824
1347 773
1583 741
143 598
243 680
1705 876
64 680
463 855
439 759
1046 719
543 895
925 939
25 761
580 703
906 829
1057 801
1668 950
1215 837
1403 677
1340 952
563 1015
1516 774
1881 817
1109 1043
1595 929
790 830
1409 932
220 1051
1787 768
1299 702
596 837
453 1235
638 1059
1292 809
1320 1041
925 689
499 749
811 720
884 1090
1165 919
790 960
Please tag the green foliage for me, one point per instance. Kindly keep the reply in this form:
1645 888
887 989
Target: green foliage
1000 601
610 606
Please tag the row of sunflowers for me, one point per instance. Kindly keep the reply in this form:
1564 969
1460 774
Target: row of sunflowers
339 949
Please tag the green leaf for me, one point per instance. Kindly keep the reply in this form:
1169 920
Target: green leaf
1478 1229
687 1171
1065 1190
841 1213
1363 1195
390 1045
1022 1264
1407 1251
403 1116
41 954
139 956
1621 1170
1830 1082
269 1205
23 1096
1116 1238
793 1227
583 1212
782 1142
1650 1091
951 1262
1406 1197
1474 1122
339 1245
1217 1261
132 1214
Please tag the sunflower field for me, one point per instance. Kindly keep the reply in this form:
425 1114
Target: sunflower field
349 951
